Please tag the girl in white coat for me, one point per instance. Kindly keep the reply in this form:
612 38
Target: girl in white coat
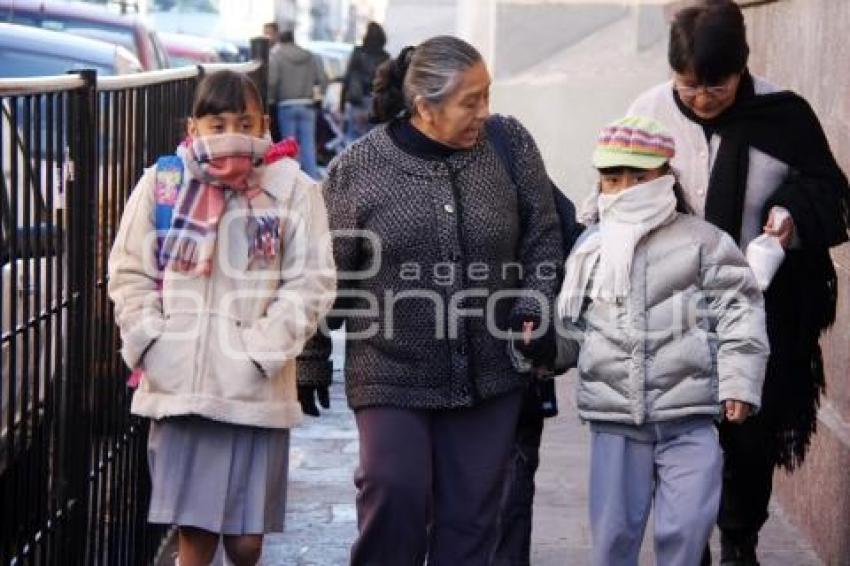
213 306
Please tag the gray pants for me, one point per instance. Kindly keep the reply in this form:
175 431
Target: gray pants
429 483
679 470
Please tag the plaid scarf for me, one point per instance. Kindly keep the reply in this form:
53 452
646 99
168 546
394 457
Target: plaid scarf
190 243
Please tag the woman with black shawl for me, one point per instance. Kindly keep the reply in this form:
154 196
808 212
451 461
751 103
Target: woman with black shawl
747 153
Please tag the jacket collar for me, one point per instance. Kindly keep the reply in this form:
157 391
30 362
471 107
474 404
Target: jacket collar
380 139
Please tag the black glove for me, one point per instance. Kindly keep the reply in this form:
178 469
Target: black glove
540 350
307 395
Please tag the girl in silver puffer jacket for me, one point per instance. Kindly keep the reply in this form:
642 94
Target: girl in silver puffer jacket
665 322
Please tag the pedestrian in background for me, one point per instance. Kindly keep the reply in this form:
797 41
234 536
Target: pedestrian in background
356 97
219 273
271 31
297 81
431 383
665 322
753 160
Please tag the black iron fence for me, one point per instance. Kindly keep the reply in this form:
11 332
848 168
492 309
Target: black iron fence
73 472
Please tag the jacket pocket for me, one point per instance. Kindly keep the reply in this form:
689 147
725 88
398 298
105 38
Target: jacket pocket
169 362
231 372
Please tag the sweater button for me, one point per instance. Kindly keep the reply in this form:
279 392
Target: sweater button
449 208
461 349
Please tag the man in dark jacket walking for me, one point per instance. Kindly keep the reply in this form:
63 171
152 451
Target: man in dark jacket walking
296 80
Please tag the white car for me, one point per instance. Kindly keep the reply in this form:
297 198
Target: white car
31 337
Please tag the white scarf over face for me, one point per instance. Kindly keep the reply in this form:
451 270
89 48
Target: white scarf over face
624 219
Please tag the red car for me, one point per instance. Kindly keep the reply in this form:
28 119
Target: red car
186 50
92 21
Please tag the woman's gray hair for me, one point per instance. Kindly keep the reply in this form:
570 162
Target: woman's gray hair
435 69
430 71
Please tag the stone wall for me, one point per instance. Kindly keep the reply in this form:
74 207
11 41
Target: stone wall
802 45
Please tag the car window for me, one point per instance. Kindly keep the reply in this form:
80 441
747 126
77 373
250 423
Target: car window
205 6
124 36
18 62
162 57
115 37
17 18
29 170
180 61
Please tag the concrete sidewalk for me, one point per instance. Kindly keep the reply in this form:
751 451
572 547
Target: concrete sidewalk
321 519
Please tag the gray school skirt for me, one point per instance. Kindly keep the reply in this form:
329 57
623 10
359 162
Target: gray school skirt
219 477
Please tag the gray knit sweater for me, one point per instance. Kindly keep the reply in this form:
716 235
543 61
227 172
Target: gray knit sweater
448 239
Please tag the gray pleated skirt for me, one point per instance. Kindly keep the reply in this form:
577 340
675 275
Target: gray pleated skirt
219 477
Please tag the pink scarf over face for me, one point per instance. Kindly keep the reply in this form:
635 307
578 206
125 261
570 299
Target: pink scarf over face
216 163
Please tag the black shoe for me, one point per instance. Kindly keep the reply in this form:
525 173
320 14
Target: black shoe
738 549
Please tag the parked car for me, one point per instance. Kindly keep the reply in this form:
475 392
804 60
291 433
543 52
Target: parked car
91 21
228 51
28 269
31 52
186 50
200 18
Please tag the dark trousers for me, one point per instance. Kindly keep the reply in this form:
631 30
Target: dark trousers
515 516
429 483
749 460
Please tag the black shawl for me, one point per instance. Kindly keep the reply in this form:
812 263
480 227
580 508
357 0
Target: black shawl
800 301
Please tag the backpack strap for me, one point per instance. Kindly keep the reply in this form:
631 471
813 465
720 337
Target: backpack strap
168 181
498 136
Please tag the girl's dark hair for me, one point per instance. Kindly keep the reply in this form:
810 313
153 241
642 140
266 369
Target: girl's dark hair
430 71
374 39
681 202
225 91
710 40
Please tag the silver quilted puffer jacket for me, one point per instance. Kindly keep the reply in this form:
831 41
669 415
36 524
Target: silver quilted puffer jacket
690 334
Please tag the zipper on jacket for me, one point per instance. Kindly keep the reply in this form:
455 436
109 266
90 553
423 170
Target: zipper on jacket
472 369
203 341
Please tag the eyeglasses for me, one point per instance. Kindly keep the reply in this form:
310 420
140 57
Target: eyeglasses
714 91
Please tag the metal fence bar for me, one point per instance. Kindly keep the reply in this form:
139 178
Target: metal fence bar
30 520
55 185
39 416
50 300
13 437
40 85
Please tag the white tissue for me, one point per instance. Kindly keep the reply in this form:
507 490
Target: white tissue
765 254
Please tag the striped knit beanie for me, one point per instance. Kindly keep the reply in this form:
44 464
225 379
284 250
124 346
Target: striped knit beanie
633 141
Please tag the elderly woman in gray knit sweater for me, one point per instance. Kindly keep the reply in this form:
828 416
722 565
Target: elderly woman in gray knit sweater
441 258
